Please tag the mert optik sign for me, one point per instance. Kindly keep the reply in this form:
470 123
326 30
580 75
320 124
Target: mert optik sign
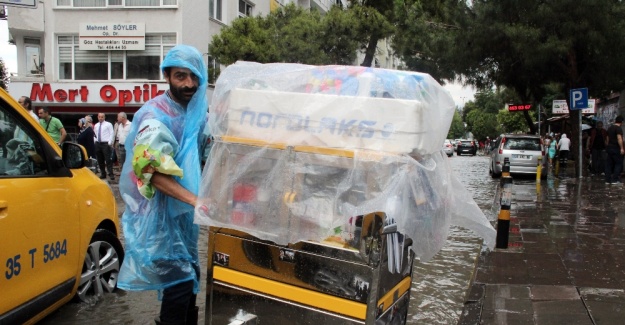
560 106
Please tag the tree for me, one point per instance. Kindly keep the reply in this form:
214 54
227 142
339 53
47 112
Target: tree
375 21
456 130
522 45
4 75
289 34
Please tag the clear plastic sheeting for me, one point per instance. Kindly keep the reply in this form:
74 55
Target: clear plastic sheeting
301 152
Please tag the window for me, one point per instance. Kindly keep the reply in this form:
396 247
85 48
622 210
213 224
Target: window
245 9
33 60
75 64
214 69
115 3
215 8
20 155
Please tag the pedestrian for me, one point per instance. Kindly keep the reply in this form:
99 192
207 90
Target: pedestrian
28 105
595 146
103 146
121 133
564 145
52 125
552 147
615 150
160 236
85 137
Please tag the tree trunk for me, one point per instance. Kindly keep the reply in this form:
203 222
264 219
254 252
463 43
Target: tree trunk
529 121
370 51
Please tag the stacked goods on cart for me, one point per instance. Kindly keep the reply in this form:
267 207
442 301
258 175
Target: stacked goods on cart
300 153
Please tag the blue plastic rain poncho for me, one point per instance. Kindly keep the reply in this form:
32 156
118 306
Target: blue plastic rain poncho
161 239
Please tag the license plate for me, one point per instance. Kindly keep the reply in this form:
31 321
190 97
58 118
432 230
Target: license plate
521 156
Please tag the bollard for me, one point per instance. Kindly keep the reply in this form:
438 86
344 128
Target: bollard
539 168
503 220
505 170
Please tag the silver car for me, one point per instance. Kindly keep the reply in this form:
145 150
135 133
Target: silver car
448 148
523 152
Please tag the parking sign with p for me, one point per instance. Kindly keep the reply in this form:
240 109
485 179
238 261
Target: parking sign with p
579 99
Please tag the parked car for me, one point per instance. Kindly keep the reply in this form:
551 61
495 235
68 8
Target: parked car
455 144
523 151
448 148
466 147
59 227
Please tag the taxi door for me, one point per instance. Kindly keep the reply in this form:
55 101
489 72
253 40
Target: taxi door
39 228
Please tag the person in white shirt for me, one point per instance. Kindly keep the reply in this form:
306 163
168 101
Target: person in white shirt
121 133
104 137
28 105
564 145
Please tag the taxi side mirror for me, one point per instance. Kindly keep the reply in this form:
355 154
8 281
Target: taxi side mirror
74 155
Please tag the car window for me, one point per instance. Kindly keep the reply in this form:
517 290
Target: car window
468 143
522 144
21 154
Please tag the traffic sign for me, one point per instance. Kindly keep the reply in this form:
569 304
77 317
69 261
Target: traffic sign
579 99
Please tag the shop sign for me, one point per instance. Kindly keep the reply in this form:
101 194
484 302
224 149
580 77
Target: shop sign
112 36
119 94
560 106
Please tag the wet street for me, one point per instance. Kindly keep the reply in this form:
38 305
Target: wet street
437 295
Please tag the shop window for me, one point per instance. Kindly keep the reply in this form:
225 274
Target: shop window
215 8
75 64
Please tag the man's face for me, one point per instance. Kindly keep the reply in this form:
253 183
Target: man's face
182 84
22 102
43 114
101 117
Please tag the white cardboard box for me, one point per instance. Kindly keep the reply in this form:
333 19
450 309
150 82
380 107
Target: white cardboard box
381 124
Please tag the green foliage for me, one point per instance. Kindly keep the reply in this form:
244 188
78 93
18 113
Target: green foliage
482 124
512 122
456 130
4 75
289 34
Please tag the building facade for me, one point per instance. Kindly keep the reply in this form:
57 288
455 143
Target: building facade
83 57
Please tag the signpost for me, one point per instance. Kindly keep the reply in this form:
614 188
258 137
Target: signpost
579 100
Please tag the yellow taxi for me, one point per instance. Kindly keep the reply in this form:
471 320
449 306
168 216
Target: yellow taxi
59 228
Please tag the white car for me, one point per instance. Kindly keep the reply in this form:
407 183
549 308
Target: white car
448 147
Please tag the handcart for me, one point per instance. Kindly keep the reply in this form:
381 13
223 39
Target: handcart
321 192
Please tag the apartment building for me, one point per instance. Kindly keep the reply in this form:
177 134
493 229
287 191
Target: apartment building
83 57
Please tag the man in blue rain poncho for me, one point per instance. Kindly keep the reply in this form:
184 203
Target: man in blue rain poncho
159 184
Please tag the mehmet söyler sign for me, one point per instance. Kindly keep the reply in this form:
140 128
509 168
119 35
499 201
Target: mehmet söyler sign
112 36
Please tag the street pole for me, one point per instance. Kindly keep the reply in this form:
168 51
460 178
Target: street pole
579 138
539 120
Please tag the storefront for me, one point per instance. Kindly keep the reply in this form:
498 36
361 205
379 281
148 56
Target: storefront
73 100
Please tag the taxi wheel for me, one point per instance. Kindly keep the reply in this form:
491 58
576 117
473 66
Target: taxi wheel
101 267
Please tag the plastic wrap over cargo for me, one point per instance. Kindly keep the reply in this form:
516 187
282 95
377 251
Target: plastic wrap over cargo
301 152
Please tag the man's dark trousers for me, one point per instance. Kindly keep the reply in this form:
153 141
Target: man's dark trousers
613 165
103 154
598 161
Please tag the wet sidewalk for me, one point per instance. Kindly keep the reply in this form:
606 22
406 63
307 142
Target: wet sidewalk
566 258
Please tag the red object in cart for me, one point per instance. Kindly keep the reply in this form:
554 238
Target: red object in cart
242 210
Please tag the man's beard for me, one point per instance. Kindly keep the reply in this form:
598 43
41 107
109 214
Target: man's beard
182 94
